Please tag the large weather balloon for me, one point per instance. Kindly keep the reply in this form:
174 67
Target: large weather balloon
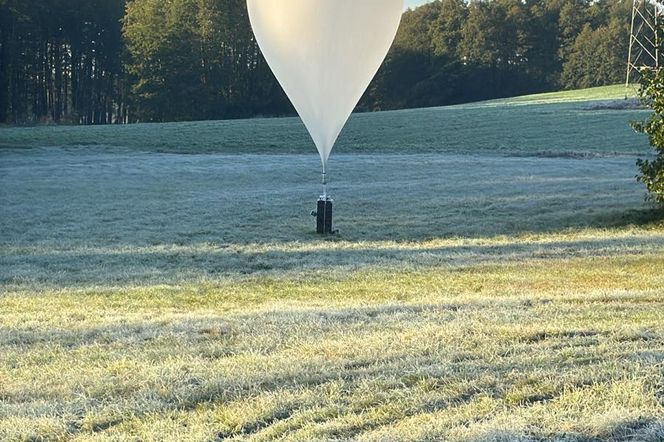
324 54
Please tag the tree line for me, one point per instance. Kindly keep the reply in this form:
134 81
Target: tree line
62 61
120 61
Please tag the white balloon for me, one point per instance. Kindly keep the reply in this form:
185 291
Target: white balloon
324 54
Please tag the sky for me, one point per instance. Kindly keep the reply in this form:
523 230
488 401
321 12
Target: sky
413 3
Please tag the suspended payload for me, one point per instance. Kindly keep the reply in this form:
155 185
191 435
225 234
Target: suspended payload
324 53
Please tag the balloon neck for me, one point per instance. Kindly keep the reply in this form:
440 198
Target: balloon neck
324 184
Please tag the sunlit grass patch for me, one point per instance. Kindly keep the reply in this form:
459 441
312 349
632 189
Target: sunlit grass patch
556 347
614 92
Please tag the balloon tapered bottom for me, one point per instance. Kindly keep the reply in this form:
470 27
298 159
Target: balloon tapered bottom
324 215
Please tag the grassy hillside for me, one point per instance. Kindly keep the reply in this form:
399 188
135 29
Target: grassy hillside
615 92
498 277
567 126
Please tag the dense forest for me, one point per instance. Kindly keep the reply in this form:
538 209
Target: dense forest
119 61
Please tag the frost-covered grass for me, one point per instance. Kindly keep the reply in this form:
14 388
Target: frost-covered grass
498 276
568 126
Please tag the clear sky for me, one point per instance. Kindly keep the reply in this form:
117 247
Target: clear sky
413 3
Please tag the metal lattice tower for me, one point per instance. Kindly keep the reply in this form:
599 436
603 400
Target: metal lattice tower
644 40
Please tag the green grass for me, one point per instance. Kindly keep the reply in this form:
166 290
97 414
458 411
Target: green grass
616 92
498 277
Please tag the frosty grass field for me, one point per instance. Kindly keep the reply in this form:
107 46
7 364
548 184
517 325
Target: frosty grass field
498 276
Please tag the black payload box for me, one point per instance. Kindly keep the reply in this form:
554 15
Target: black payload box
324 215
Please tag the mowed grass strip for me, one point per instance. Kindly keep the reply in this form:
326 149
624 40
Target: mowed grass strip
543 348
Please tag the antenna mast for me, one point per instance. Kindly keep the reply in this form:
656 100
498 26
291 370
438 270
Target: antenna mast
644 39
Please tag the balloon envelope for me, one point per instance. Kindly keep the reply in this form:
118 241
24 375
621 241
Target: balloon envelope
324 54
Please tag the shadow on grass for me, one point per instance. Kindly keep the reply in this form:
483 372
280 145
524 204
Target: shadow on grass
641 430
171 264
457 221
635 218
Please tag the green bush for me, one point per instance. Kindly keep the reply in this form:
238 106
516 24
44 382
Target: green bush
652 171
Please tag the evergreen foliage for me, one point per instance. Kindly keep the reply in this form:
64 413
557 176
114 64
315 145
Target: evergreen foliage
61 61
